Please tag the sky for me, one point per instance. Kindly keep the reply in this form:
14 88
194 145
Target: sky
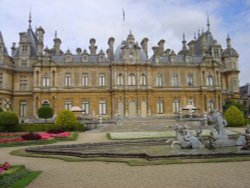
76 21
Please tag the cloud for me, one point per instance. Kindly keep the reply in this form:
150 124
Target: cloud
77 21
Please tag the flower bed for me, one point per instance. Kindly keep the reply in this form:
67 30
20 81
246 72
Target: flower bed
11 137
4 166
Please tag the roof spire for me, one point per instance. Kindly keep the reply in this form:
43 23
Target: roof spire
194 35
55 34
228 41
208 24
30 19
184 47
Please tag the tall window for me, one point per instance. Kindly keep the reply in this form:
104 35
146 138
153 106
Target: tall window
67 104
23 83
22 109
143 80
67 79
24 48
190 80
210 80
175 80
46 81
159 107
1 80
85 106
120 80
85 80
102 107
176 106
159 80
101 80
131 79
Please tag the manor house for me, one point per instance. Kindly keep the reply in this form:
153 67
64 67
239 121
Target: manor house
123 80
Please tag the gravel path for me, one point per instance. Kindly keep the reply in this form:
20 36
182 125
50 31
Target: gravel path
57 173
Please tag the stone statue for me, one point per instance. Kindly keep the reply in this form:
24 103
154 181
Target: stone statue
218 136
185 138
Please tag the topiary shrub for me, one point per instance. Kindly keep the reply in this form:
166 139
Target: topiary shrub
66 120
45 112
8 119
234 116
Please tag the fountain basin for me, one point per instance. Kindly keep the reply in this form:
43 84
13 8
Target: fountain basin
148 149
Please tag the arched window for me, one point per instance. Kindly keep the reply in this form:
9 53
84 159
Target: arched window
210 80
143 81
131 79
120 79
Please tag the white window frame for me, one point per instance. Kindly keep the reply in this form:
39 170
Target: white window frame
159 80
120 80
176 106
46 81
67 104
143 79
85 80
102 107
101 80
159 107
68 80
175 80
131 79
190 79
85 106
23 109
210 81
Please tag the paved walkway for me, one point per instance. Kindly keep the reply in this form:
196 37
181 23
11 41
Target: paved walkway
57 173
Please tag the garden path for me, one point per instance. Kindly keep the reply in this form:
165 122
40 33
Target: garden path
57 173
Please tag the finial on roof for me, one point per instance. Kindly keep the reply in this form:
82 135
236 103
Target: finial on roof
228 41
194 35
199 33
130 32
55 34
183 37
208 24
30 19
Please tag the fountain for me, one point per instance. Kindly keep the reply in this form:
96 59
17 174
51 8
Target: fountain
190 143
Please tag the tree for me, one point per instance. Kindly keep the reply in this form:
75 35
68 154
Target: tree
240 106
234 116
8 119
66 120
45 112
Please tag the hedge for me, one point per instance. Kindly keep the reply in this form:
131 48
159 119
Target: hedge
40 127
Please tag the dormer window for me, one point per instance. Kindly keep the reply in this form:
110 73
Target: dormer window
131 55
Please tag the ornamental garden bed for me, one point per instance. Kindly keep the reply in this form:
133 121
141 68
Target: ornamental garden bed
16 175
17 139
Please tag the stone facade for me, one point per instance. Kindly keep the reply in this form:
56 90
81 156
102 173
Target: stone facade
245 97
124 81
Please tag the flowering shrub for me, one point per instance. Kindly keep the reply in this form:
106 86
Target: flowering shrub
56 131
4 166
31 136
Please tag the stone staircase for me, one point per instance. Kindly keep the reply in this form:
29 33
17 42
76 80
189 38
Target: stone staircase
142 125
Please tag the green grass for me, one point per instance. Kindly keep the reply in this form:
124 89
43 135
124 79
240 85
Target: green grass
26 179
73 136
17 176
135 161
